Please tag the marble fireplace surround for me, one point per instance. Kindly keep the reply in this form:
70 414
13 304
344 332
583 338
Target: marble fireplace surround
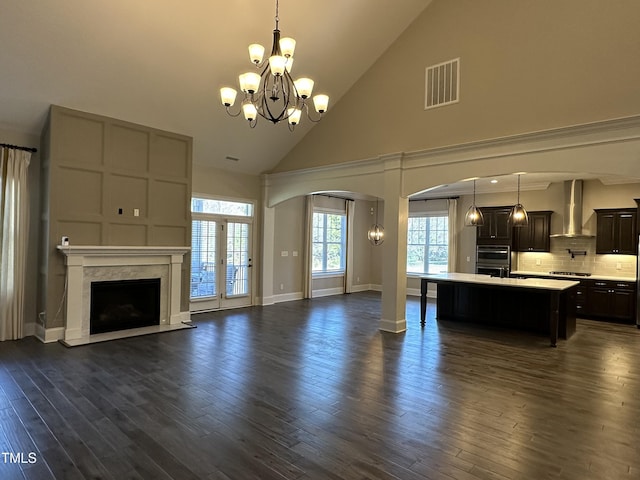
89 263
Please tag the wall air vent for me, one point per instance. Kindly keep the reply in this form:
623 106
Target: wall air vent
442 84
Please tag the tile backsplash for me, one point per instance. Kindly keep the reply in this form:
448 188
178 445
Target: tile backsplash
559 259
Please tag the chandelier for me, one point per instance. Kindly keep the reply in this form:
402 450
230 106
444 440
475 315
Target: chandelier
272 93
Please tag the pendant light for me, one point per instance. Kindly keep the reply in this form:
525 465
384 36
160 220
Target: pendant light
518 216
474 217
376 232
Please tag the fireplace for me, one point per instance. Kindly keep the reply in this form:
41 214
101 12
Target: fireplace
111 265
123 304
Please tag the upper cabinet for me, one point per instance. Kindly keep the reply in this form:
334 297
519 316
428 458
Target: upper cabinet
535 236
496 229
616 231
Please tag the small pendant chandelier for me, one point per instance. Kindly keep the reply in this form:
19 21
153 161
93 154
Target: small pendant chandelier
376 232
518 216
273 94
474 217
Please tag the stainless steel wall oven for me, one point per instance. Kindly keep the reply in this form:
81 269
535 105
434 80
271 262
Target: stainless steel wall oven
493 260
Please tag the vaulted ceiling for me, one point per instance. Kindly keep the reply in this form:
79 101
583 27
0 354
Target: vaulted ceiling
161 63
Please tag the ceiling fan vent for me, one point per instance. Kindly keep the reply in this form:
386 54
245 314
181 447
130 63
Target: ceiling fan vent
442 84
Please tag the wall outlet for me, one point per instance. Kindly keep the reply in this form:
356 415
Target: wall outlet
618 266
295 253
136 212
284 253
282 286
468 258
538 261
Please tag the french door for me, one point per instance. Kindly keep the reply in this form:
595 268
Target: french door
221 254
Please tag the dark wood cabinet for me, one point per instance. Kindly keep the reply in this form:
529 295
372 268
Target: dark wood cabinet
581 299
496 229
535 236
611 300
616 231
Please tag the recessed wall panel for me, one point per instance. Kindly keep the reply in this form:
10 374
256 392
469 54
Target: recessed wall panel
170 157
128 193
169 202
129 149
79 233
169 236
79 140
125 234
79 192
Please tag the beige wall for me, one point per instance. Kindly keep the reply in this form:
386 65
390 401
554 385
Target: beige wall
33 141
226 184
289 238
525 66
95 166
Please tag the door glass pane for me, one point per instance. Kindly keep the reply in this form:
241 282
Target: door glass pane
203 259
237 275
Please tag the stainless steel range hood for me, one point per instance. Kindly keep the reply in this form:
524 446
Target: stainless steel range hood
572 221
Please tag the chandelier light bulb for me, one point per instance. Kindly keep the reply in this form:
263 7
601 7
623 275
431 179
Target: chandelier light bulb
256 53
321 102
228 96
277 64
294 116
304 86
250 111
249 82
287 46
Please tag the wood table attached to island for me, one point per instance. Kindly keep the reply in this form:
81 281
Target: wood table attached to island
541 305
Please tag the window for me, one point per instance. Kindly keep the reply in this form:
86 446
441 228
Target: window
428 244
329 233
208 205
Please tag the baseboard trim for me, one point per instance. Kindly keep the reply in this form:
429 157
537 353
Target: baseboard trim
393 326
49 335
327 292
287 297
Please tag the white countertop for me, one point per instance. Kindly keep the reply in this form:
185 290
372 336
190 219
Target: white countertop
540 283
576 277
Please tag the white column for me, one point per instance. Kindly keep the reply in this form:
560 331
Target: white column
175 289
394 256
74 283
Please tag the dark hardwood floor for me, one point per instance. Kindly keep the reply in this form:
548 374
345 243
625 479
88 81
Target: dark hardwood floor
313 390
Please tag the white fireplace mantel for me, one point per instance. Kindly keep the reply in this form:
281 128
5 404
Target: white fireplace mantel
89 263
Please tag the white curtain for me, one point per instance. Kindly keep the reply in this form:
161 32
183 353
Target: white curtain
307 279
453 235
348 272
14 231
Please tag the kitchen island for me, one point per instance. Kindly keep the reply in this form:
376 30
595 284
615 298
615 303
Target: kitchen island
533 304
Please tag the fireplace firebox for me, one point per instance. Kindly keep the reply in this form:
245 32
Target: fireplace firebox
124 304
